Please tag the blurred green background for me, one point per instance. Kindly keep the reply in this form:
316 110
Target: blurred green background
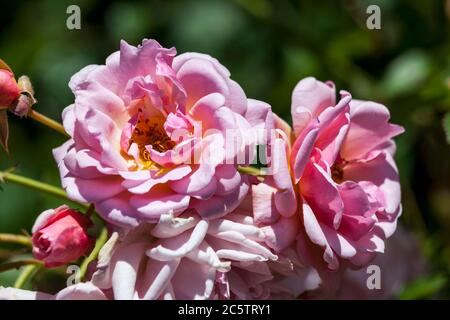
268 46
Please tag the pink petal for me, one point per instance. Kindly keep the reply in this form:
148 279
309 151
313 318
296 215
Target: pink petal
332 136
21 294
158 275
228 179
160 201
317 236
321 194
381 171
126 268
282 234
200 78
309 98
201 183
119 211
354 227
218 206
154 179
264 209
174 248
193 281
302 148
81 291
369 128
285 198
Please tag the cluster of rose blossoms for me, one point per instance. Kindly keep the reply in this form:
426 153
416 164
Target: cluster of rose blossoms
208 194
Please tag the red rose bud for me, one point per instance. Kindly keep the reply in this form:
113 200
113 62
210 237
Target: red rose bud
9 89
59 236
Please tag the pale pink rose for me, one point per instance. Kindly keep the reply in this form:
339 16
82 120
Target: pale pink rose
9 90
59 236
188 257
148 135
342 161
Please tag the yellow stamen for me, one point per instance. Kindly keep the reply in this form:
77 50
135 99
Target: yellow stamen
150 132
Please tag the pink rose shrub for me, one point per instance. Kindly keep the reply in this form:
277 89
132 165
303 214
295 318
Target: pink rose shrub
162 146
152 133
342 163
59 236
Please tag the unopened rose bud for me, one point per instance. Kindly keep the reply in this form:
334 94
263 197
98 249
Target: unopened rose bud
9 89
59 236
21 107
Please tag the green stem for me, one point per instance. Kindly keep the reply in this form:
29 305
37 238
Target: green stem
15 238
33 184
90 210
101 240
251 171
18 264
47 121
27 273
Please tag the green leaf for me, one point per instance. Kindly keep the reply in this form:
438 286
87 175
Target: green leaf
406 73
424 287
206 25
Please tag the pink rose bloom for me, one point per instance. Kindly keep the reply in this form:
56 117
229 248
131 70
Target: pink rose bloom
148 136
59 236
188 257
342 161
9 90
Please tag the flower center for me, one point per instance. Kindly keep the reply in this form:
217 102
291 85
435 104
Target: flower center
337 173
44 243
152 133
